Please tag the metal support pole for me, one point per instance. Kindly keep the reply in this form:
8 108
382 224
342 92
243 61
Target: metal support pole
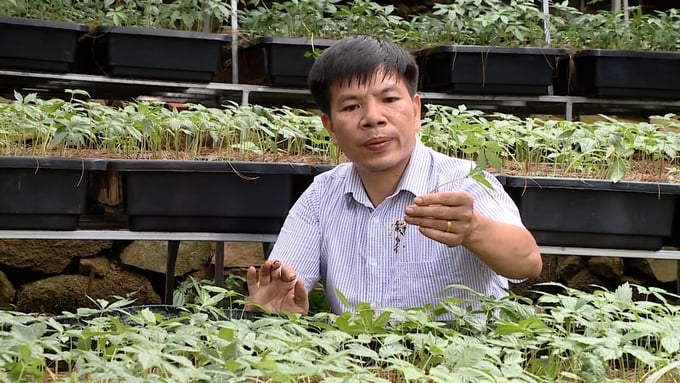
546 24
206 19
219 264
568 111
173 249
234 41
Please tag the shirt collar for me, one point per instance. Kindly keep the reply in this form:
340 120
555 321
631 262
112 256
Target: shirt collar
414 179
417 173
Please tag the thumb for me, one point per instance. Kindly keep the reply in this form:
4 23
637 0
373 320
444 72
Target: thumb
301 297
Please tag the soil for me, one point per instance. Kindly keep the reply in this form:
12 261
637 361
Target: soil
204 155
641 169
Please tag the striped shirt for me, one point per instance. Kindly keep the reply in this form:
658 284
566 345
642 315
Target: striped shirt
335 236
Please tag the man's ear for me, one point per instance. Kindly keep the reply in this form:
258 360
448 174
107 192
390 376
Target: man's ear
417 110
417 105
326 121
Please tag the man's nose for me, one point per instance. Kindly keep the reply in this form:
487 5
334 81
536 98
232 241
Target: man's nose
373 115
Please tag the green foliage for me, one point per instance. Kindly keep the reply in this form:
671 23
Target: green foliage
288 18
321 19
178 14
606 149
604 336
483 22
467 22
29 125
658 31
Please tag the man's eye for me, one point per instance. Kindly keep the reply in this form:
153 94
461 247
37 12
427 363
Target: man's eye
350 108
391 99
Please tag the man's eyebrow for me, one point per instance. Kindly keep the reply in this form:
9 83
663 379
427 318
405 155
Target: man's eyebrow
350 96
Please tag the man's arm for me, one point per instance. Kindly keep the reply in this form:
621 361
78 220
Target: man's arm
508 249
450 218
280 283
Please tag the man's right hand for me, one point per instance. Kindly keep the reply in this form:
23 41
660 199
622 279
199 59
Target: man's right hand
276 289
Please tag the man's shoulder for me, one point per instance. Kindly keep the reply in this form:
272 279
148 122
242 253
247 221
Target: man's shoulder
333 179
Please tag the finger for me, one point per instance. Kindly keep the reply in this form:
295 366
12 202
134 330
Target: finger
441 224
430 211
288 273
275 270
449 239
265 273
251 279
449 198
301 298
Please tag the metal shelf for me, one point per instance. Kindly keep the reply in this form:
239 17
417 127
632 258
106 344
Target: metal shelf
104 87
569 106
174 238
121 235
215 93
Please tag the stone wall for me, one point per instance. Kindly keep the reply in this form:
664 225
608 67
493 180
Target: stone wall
51 276
589 273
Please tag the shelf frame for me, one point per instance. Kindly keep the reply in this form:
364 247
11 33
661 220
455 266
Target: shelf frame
268 240
245 94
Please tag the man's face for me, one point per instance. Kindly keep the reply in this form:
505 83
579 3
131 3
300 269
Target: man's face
374 123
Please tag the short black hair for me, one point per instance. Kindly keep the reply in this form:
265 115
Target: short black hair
357 58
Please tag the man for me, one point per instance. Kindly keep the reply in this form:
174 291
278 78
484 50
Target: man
400 222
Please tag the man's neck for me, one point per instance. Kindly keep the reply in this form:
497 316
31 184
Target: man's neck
380 185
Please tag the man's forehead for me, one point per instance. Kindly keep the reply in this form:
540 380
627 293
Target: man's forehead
369 80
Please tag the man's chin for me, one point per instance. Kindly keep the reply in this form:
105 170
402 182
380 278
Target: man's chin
378 165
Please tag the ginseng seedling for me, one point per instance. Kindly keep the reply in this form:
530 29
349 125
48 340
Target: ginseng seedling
476 174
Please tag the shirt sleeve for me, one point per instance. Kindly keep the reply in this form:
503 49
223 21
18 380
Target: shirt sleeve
299 242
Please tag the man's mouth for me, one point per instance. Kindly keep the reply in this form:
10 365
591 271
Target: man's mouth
378 143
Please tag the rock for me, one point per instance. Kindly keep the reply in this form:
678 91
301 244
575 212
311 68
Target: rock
47 256
242 254
569 265
585 281
152 255
662 270
98 266
56 294
7 291
606 267
632 280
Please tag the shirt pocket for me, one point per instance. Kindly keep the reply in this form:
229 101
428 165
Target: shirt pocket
424 282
